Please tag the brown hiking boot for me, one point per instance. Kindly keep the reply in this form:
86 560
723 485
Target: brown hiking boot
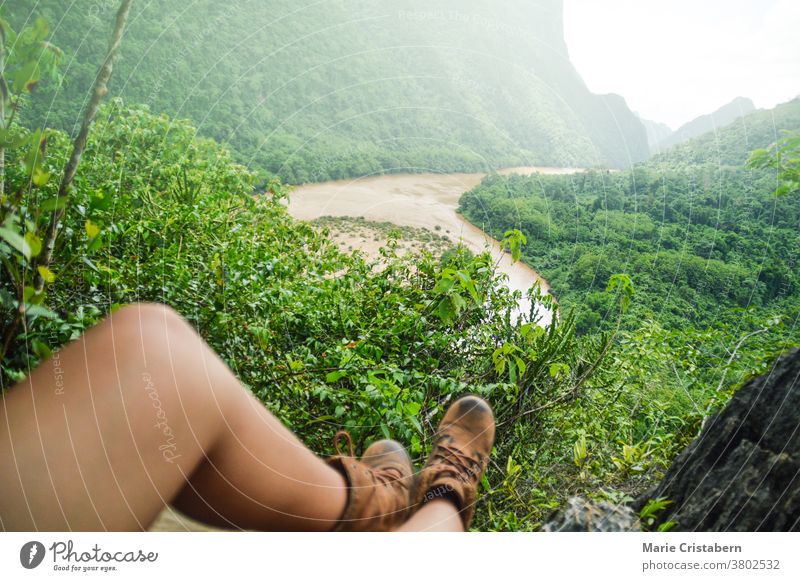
379 485
459 457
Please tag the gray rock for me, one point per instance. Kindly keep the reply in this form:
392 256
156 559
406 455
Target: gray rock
581 515
742 473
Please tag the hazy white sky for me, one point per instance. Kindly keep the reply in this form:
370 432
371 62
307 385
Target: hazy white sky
674 60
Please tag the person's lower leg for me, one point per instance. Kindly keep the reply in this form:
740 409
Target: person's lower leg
438 515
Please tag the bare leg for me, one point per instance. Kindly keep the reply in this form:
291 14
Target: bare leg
436 516
139 413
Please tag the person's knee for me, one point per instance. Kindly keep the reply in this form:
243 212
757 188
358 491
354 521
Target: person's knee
147 314
152 323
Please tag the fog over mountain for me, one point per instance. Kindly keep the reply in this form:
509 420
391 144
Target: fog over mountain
656 132
349 88
723 116
731 144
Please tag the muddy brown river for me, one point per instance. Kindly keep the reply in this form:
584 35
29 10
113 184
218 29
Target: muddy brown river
422 201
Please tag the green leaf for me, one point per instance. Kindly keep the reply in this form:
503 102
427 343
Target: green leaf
443 285
512 372
580 451
320 420
335 376
625 286
46 274
40 349
28 293
520 365
92 230
445 310
34 243
89 263
10 140
32 161
95 243
54 203
469 284
15 241
39 178
39 311
666 526
24 79
514 240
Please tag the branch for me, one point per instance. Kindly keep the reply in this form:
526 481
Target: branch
725 373
3 96
99 91
733 355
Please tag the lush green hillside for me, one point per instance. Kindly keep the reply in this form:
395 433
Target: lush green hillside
732 144
313 92
697 243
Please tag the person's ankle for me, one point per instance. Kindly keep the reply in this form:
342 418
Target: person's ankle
443 492
445 508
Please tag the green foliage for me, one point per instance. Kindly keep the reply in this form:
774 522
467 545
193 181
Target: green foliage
326 339
648 515
513 241
697 243
26 57
625 286
732 145
784 157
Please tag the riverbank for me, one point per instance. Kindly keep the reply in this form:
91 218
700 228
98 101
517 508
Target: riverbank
427 201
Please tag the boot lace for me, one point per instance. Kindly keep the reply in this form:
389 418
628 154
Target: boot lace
454 461
344 435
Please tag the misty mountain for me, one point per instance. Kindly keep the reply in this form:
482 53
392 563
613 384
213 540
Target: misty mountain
315 91
656 132
732 144
723 116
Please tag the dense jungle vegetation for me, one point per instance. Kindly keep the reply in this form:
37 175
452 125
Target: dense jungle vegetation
599 402
311 94
702 242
